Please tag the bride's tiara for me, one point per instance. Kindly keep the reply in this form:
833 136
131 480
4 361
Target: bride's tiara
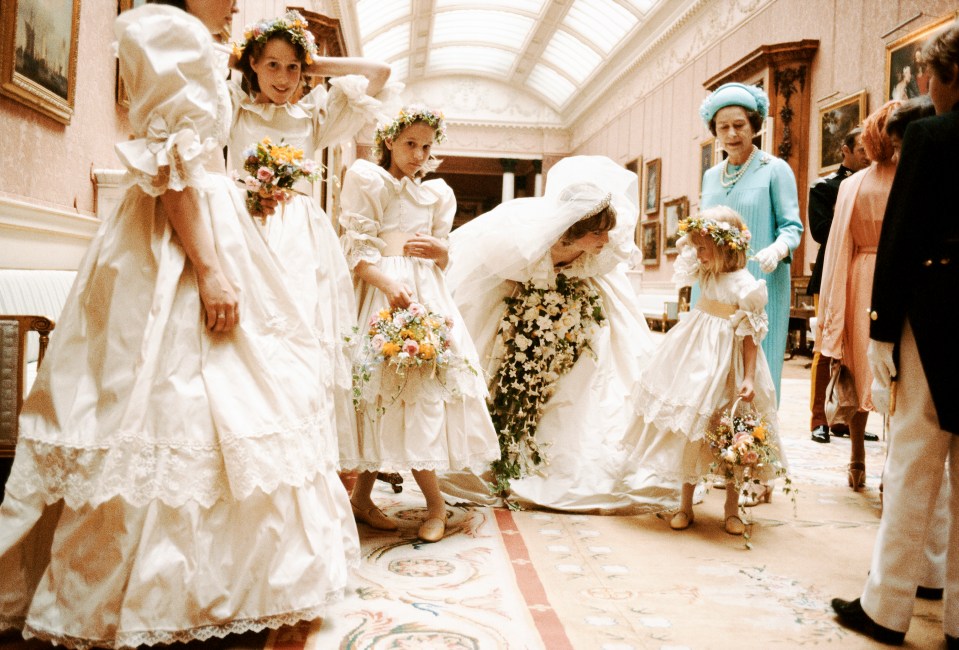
599 207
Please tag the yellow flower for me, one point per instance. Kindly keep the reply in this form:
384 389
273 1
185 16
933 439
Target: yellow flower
406 334
384 314
390 349
427 351
759 433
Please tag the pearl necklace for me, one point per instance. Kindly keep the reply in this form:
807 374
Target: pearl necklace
734 178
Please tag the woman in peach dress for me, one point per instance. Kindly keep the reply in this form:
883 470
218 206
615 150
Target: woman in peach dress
851 259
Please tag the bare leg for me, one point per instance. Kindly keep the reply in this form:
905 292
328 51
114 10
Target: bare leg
733 523
362 491
363 507
435 505
857 450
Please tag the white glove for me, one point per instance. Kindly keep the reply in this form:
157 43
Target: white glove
881 363
880 396
769 257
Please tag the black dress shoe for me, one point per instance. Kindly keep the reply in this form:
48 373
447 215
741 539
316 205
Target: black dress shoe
840 431
870 437
929 593
851 615
952 642
820 434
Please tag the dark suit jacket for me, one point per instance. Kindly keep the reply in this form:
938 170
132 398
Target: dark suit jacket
822 206
917 264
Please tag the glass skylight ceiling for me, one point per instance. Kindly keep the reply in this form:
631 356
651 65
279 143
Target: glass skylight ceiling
491 38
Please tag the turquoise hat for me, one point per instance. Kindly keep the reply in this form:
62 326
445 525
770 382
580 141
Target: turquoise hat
734 94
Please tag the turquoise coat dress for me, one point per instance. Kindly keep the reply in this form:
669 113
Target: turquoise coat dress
768 201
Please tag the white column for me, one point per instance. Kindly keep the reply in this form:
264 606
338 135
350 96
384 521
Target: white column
509 178
538 178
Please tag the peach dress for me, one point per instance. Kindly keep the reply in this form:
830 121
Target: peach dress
847 275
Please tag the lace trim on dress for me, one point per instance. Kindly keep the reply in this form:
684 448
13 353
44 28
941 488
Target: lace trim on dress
202 633
168 157
685 419
140 469
360 240
476 464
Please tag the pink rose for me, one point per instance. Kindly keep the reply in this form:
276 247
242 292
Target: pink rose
265 174
416 309
251 184
377 342
751 457
411 347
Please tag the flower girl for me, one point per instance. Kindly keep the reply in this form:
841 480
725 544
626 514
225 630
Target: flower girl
706 364
395 238
274 57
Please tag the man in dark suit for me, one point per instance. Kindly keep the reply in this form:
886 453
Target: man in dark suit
822 205
914 315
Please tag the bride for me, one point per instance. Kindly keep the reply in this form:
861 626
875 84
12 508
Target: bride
542 290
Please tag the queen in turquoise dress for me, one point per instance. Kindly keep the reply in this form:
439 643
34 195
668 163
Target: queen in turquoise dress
761 188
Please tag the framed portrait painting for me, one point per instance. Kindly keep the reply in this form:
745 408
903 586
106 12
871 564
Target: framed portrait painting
906 76
651 184
835 121
38 54
649 242
673 212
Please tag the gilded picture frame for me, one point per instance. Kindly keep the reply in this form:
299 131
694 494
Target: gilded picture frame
835 121
649 242
905 77
38 55
636 166
707 157
652 173
674 211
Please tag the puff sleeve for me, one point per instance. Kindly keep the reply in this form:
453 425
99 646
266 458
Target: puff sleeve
167 63
345 109
750 318
362 202
444 209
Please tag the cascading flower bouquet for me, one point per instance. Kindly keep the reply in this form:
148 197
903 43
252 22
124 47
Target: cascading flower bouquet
543 332
404 340
740 443
273 169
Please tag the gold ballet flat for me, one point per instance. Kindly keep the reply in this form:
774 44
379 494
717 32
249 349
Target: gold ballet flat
681 521
734 525
374 518
432 530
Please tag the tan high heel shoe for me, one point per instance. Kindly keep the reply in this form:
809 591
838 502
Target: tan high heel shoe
857 475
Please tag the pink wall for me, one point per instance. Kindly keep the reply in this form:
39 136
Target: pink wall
48 163
852 56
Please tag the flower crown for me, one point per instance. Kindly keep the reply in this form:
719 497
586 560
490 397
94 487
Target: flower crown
408 115
293 23
723 234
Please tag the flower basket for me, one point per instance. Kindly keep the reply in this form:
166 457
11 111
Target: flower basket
739 441
400 343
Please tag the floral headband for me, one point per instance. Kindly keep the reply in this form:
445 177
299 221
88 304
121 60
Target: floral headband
723 234
409 115
293 23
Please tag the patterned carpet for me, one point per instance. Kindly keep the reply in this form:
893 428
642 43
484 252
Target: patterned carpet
552 581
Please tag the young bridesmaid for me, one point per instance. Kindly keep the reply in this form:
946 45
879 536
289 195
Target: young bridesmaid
395 239
706 363
274 57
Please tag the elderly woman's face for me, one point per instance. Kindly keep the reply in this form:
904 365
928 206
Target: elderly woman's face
734 132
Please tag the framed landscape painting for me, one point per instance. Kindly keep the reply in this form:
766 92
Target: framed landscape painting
906 76
38 54
835 121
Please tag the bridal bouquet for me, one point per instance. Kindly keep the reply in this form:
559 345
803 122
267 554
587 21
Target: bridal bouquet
543 332
413 338
740 443
273 169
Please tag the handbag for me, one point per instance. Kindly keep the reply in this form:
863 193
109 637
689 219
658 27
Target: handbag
842 403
